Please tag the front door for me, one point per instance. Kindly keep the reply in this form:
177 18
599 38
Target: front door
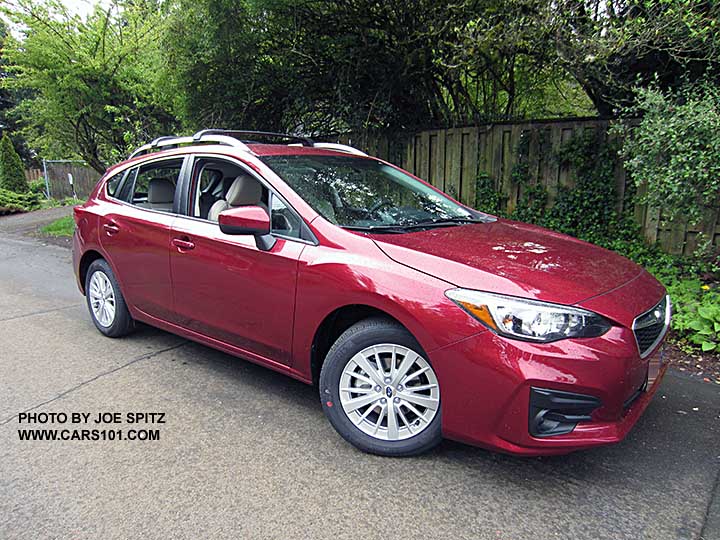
228 289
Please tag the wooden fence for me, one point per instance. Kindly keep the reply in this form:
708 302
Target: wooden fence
84 179
31 175
453 159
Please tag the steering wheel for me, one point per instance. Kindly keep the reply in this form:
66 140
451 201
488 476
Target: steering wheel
380 204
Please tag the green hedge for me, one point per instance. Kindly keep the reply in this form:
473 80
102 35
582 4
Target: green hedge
11 202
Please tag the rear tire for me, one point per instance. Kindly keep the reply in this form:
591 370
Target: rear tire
379 391
106 304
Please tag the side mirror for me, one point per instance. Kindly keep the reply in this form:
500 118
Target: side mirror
252 220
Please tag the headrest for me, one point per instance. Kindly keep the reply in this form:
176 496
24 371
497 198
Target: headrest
160 190
244 190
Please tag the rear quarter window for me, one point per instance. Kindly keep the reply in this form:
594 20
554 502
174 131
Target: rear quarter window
112 183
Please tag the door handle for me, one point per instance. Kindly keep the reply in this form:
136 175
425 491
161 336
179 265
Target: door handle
182 245
111 228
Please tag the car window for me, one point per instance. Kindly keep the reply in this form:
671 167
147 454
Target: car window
153 185
357 192
284 221
113 183
207 180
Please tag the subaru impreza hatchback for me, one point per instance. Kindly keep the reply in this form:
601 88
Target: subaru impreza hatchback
416 316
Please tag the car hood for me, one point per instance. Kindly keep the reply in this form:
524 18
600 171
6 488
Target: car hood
512 258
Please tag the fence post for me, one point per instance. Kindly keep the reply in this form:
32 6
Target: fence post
47 183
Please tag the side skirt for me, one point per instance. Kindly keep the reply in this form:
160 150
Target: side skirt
219 345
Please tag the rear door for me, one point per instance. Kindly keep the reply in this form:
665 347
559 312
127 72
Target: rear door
135 233
226 287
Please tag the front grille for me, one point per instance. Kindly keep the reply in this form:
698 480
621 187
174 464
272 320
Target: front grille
650 327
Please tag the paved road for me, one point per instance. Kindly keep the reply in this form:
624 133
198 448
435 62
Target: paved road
247 453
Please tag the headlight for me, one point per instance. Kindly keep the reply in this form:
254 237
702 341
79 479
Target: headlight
529 320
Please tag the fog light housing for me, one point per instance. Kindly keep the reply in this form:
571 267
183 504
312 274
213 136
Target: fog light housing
553 412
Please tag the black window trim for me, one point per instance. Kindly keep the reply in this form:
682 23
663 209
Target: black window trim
135 166
186 202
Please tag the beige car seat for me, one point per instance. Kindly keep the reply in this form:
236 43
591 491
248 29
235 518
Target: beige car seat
245 190
161 193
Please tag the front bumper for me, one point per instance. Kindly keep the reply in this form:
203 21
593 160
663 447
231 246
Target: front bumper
487 383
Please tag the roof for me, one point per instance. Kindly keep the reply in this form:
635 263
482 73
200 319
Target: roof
293 150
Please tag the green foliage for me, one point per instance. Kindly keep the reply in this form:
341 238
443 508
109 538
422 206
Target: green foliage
608 48
675 150
487 197
532 202
37 186
91 86
55 203
697 314
131 71
65 226
12 172
588 210
11 202
221 71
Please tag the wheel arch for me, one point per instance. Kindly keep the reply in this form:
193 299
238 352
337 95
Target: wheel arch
335 323
90 256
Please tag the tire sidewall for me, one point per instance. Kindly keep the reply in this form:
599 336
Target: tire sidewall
122 322
354 340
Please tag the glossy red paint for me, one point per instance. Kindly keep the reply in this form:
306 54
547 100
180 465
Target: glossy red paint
229 290
184 275
512 258
245 220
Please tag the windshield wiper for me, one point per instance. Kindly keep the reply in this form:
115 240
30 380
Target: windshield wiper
391 229
440 222
400 228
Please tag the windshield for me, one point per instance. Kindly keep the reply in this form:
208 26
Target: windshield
364 193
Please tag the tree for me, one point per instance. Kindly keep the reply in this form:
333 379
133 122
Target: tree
322 67
8 100
609 46
220 72
12 172
92 84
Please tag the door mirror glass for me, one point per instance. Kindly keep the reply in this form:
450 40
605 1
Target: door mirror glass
252 220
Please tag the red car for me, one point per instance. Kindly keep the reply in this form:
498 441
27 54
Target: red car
416 316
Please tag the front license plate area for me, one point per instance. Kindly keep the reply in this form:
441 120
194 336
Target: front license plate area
655 364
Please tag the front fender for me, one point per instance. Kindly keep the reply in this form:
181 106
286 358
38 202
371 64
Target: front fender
330 278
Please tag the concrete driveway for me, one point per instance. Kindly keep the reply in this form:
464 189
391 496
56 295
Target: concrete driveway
247 453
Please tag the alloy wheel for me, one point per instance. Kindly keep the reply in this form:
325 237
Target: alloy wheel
389 392
102 299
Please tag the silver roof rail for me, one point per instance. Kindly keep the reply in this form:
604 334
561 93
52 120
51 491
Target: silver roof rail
199 137
230 137
248 136
340 148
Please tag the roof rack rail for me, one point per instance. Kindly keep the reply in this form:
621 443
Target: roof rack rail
238 133
171 140
231 137
340 148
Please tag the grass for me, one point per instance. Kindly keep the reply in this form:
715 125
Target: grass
65 226
54 203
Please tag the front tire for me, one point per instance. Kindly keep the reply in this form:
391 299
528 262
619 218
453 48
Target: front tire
106 304
380 392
